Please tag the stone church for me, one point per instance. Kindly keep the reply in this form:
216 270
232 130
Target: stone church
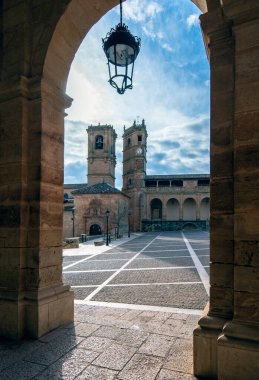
146 203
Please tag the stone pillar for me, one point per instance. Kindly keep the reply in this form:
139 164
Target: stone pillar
238 347
181 202
33 299
221 51
198 208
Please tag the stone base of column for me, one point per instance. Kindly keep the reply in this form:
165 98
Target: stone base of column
238 352
36 313
205 346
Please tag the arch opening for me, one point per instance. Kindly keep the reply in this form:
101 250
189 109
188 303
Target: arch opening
95 229
156 208
189 209
173 209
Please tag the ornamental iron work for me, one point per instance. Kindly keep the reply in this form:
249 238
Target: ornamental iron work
121 49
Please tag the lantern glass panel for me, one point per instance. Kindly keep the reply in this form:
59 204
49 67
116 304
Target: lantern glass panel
121 55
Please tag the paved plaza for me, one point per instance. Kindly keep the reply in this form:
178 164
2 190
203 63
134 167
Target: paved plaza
168 269
136 305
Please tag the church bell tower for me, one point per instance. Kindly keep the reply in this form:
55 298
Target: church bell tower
101 154
134 170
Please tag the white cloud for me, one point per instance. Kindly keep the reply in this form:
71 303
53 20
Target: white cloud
140 10
167 47
192 20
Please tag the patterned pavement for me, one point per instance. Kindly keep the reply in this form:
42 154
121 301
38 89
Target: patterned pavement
137 304
168 269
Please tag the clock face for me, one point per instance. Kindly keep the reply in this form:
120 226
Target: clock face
139 151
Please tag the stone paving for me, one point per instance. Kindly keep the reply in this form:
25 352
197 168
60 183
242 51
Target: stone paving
136 305
106 343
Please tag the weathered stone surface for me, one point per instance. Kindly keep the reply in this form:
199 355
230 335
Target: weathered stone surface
141 366
157 345
115 356
246 225
221 275
239 356
221 301
84 329
111 332
242 274
93 373
166 374
69 366
96 343
247 306
247 253
133 338
224 204
179 356
221 225
245 127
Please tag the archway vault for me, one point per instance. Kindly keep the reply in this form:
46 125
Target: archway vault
38 42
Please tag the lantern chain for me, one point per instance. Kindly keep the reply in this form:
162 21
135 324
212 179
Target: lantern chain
121 12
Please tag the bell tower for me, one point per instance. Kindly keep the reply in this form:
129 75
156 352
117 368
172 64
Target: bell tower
101 154
134 170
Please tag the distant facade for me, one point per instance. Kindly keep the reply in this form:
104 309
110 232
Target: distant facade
161 202
146 203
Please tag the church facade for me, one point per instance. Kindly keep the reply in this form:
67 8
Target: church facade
146 203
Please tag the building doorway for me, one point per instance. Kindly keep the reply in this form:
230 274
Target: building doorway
95 229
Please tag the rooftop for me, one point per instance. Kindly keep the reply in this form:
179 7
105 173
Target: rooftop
177 176
98 188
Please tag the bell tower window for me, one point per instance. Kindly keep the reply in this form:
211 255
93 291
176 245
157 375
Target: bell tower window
99 142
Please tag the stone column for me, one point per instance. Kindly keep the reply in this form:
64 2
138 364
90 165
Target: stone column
220 310
33 297
181 201
198 208
238 347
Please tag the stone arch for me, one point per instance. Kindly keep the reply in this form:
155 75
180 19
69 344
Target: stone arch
31 234
95 229
156 208
189 209
77 19
189 227
205 208
173 209
99 142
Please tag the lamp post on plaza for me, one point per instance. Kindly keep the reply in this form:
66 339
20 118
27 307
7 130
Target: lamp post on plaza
107 227
73 219
129 214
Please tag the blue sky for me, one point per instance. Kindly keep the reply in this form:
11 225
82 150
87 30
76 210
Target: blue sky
170 90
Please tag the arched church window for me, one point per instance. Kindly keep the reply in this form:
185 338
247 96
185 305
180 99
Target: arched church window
99 142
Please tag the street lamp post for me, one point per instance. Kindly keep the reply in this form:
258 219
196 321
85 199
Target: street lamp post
107 227
129 224
73 219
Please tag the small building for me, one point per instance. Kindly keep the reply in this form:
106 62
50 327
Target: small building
90 206
87 214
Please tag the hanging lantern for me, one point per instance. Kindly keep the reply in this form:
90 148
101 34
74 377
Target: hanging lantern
121 49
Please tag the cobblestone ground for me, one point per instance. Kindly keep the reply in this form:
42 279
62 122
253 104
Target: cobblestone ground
136 307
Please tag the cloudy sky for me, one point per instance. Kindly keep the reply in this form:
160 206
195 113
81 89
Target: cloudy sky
170 90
